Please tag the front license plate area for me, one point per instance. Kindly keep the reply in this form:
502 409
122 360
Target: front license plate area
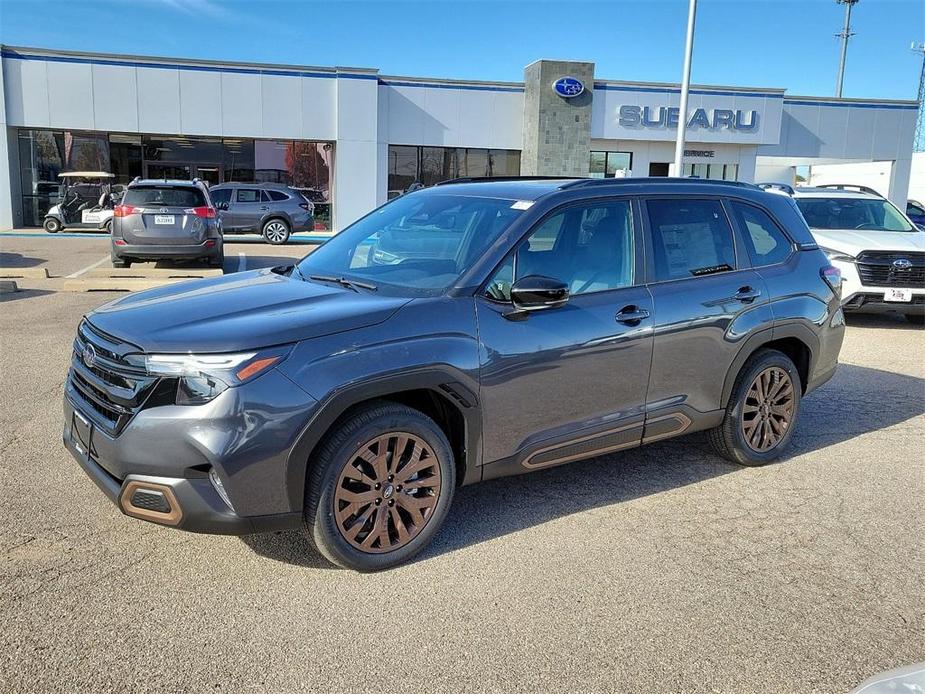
81 433
904 295
163 219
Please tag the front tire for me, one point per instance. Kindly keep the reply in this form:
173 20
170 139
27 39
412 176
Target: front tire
379 487
51 225
761 412
276 232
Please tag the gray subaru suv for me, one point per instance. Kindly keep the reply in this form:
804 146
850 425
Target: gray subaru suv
460 333
166 220
272 210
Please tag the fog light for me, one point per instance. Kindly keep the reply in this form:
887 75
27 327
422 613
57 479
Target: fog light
217 483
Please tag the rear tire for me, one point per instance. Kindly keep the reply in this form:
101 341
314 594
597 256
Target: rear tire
357 512
916 318
119 262
276 232
762 410
52 225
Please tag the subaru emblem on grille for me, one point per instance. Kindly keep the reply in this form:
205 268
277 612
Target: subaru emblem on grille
89 356
902 264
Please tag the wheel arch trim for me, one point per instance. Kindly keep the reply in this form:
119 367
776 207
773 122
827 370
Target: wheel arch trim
339 402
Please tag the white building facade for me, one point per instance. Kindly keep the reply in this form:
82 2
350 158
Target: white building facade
351 138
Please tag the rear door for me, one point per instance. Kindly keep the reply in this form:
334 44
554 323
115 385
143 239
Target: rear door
163 215
707 300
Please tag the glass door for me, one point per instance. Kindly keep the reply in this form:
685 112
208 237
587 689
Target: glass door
210 174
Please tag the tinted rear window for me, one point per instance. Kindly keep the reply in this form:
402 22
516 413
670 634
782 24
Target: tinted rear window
276 195
164 196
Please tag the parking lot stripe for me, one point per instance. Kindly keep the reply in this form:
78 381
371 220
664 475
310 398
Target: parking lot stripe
88 268
242 262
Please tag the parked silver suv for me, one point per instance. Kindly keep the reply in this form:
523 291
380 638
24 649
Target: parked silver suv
161 219
269 209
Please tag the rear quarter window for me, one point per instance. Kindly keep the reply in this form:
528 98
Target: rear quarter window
163 196
276 195
767 244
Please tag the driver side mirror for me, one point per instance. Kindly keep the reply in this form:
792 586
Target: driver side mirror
535 293
221 206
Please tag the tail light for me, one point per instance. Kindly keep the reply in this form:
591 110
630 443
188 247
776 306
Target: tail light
210 243
832 277
124 210
308 207
207 212
119 242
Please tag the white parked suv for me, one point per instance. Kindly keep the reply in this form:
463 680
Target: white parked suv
880 253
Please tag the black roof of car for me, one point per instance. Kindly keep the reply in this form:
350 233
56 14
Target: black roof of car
527 188
164 181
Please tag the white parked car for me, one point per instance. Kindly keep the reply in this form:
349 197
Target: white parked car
881 254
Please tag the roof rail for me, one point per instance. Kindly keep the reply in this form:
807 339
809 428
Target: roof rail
783 187
850 186
648 180
488 179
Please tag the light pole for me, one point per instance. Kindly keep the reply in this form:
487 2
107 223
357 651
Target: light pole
677 169
845 34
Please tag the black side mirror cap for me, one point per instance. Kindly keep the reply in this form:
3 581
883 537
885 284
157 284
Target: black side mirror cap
221 206
536 293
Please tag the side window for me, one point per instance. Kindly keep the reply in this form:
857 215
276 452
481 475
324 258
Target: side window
248 195
690 238
264 197
766 243
589 247
223 195
276 195
912 208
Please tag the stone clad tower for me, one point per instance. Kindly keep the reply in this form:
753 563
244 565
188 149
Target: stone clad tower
556 129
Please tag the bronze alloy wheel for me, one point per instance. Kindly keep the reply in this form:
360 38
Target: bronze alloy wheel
768 410
387 492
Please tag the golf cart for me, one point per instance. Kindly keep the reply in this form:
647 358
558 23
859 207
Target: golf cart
85 201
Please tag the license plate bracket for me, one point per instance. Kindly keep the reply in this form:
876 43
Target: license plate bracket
82 433
898 295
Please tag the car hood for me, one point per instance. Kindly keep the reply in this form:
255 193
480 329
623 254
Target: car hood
854 241
241 311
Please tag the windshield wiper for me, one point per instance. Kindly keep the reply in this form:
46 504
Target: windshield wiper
344 282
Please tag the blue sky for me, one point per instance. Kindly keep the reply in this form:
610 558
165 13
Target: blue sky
764 43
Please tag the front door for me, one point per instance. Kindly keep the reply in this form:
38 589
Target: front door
707 301
246 209
569 382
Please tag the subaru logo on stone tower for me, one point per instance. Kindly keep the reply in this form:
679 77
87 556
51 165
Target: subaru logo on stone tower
568 87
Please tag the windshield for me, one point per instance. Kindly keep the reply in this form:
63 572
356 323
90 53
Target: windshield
416 245
852 213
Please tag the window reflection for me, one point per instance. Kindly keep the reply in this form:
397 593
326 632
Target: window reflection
410 164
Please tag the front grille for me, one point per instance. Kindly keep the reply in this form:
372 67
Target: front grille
112 385
878 269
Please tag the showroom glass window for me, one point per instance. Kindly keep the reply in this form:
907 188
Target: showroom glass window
718 172
429 165
607 164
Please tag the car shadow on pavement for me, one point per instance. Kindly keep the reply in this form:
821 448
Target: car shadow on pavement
857 401
9 260
6 296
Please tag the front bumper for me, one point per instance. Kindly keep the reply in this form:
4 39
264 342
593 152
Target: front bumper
180 251
860 298
169 450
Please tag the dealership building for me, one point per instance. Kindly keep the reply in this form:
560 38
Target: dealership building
351 138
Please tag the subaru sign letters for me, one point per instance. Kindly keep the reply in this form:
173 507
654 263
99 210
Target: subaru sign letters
662 117
568 87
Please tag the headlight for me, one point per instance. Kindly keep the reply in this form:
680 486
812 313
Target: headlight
202 377
838 255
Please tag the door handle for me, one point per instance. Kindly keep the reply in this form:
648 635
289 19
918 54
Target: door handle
264 207
631 315
747 294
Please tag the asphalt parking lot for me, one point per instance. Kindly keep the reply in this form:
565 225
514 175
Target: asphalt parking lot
662 569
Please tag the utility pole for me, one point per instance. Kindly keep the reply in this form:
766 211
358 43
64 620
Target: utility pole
919 144
677 167
845 34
